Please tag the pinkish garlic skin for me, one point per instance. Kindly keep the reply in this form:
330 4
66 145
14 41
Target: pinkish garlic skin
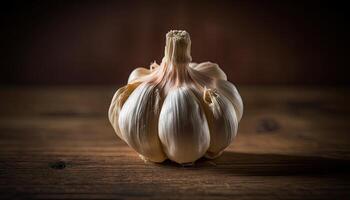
176 71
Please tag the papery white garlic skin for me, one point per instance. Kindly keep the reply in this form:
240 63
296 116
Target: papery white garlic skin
177 110
138 73
210 69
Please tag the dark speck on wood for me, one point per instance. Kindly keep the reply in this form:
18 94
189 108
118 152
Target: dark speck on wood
58 165
267 125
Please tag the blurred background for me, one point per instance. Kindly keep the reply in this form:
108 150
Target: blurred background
101 42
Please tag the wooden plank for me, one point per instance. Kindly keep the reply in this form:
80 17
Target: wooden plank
56 143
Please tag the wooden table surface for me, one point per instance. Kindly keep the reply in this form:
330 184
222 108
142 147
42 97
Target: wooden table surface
57 143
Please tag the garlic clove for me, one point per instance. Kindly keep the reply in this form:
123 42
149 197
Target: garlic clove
138 122
210 69
230 91
183 127
222 120
117 103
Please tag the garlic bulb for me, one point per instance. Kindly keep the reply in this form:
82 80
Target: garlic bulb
177 110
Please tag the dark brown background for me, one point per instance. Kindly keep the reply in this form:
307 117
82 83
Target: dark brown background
100 42
55 138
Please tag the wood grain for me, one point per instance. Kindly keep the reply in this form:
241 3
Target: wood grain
56 143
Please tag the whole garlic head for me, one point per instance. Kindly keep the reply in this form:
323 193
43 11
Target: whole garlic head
177 110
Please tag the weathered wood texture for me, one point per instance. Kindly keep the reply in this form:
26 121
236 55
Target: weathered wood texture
56 143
